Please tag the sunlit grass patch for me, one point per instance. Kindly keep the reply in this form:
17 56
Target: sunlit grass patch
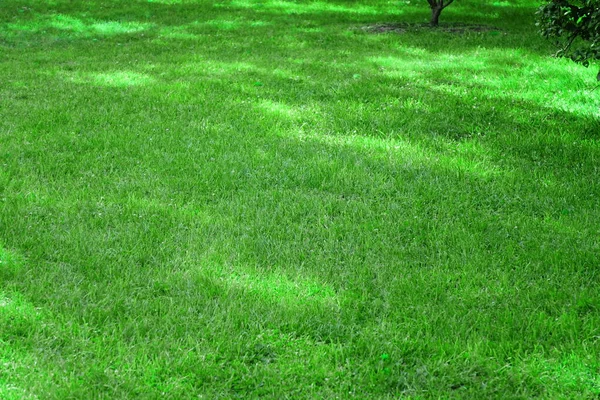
292 7
19 319
11 364
171 1
277 108
280 289
20 324
76 26
64 22
112 79
493 73
469 158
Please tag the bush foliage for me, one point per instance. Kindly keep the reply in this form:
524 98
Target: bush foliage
575 26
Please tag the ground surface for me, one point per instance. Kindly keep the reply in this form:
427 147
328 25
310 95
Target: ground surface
245 199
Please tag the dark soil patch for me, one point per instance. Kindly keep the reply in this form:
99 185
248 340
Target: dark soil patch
446 28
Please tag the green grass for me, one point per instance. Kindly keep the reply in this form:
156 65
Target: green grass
264 199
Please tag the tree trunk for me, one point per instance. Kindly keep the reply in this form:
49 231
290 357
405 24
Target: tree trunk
435 15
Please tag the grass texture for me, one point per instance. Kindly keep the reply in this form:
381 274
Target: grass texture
295 199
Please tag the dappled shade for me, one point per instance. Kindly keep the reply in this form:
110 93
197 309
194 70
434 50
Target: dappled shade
244 199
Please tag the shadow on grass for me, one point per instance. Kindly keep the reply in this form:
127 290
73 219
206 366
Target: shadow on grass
408 166
182 208
66 23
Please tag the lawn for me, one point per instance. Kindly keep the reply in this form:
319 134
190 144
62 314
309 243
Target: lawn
295 199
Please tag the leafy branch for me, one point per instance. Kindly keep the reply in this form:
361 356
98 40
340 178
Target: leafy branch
575 28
